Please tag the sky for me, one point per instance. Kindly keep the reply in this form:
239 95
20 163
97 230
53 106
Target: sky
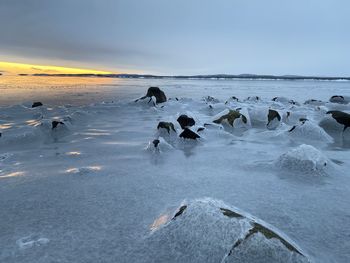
301 37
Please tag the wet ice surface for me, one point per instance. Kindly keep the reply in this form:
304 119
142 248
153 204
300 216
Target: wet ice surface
91 190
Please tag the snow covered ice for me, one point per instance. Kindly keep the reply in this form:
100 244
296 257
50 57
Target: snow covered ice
89 177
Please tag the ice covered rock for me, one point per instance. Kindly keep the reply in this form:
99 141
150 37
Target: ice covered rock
210 99
339 99
232 117
284 100
185 121
37 104
168 126
306 130
273 119
31 241
56 123
154 92
342 118
293 117
314 102
232 99
158 145
253 98
188 134
304 158
206 230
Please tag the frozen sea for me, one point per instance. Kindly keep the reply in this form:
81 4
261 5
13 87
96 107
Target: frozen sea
92 190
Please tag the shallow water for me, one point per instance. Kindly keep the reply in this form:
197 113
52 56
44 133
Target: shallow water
91 193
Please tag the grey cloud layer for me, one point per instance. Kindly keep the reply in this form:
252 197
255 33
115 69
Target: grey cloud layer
184 36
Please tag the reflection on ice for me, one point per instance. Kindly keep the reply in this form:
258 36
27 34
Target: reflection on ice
73 153
13 174
160 221
84 170
6 126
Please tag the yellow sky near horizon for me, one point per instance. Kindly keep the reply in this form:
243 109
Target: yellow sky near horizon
19 68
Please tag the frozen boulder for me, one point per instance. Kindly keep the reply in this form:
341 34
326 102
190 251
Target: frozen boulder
210 99
206 230
31 241
167 131
232 99
284 100
37 104
273 119
56 123
185 121
340 117
293 117
314 102
304 158
154 92
158 145
233 117
306 130
253 98
188 134
168 126
339 99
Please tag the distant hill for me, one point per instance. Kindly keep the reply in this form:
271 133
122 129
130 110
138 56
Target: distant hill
215 76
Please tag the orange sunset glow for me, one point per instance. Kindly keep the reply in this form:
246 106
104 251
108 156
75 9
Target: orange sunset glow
19 68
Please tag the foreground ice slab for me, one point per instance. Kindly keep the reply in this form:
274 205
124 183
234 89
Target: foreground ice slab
207 230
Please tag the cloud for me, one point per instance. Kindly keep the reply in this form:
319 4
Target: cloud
181 37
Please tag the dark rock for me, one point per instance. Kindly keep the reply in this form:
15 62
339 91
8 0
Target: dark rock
341 117
181 210
188 134
155 143
166 125
230 213
154 92
37 104
200 129
269 234
185 121
230 117
55 123
157 93
292 129
272 115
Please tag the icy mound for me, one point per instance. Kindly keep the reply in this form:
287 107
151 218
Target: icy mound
329 124
340 99
336 121
307 130
238 119
209 231
31 241
284 100
304 158
158 146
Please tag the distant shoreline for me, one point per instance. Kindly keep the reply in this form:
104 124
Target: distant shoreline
215 77
194 77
